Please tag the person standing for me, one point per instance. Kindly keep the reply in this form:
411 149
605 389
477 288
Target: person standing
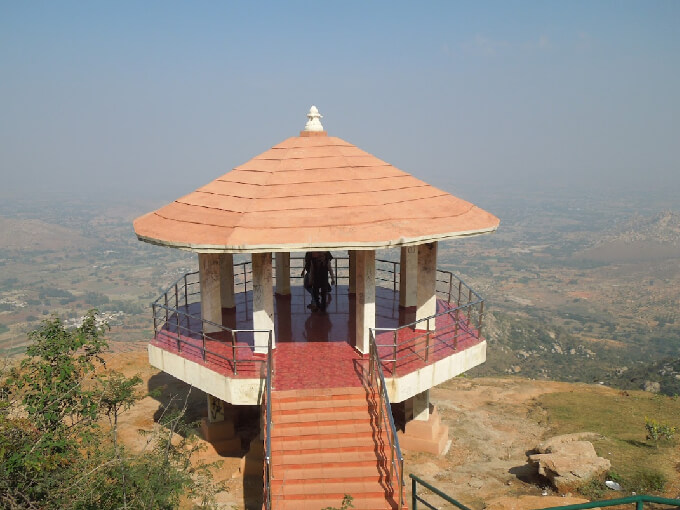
315 272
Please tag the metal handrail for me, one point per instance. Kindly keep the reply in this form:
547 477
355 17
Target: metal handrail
268 427
461 317
396 461
415 498
171 311
468 309
639 499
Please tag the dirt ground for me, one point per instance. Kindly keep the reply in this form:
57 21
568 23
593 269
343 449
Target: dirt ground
489 428
490 432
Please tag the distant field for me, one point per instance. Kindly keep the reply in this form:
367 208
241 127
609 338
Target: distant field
630 251
576 288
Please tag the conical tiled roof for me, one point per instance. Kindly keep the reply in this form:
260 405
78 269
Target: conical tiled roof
312 192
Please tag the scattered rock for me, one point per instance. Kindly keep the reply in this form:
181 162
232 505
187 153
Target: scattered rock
569 461
652 386
476 483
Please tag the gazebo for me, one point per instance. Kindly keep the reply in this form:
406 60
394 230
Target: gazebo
329 384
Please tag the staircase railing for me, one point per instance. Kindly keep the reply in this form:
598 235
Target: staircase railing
268 473
638 500
385 422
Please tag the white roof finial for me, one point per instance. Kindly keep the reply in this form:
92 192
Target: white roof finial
313 124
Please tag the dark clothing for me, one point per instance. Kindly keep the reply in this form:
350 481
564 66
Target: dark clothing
317 264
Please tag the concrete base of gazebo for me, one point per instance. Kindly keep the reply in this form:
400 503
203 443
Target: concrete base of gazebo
430 436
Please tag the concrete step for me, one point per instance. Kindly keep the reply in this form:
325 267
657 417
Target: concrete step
324 445
319 403
325 428
322 414
367 503
323 456
318 394
355 487
320 473
327 442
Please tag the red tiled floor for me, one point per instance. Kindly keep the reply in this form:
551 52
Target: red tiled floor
314 350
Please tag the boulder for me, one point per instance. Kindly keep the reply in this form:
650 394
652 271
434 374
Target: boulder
569 461
652 386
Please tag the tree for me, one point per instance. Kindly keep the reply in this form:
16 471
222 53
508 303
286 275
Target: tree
55 454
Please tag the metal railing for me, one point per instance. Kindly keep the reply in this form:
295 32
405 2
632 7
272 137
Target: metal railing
268 474
415 498
177 319
638 500
463 318
385 423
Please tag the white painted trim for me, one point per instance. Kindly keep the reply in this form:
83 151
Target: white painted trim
233 390
409 385
295 247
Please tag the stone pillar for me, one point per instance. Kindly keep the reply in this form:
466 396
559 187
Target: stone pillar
408 277
424 431
227 280
209 276
427 282
283 273
263 299
352 271
215 409
365 298
219 428
418 407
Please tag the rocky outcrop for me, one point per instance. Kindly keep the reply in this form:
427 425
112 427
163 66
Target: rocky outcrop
569 461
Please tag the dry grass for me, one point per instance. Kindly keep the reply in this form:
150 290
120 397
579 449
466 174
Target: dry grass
639 464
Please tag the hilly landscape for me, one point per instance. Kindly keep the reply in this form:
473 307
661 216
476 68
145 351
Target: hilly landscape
582 313
577 289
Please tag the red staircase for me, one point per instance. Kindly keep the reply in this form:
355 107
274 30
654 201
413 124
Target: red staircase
324 445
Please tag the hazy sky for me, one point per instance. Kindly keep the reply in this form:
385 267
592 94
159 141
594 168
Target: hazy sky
158 98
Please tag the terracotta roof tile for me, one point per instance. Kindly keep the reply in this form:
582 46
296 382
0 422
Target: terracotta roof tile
312 192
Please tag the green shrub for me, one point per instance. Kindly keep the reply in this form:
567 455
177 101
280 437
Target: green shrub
646 481
593 489
657 430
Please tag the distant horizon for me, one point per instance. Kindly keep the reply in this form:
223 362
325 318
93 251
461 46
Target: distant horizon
485 195
159 98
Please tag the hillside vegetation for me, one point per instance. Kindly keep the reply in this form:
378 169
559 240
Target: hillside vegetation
56 452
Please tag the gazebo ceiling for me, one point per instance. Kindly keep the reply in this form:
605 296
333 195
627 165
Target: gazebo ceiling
312 192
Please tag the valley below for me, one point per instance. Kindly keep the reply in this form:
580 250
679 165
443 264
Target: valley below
582 321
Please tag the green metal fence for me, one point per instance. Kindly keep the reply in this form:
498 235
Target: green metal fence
638 500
